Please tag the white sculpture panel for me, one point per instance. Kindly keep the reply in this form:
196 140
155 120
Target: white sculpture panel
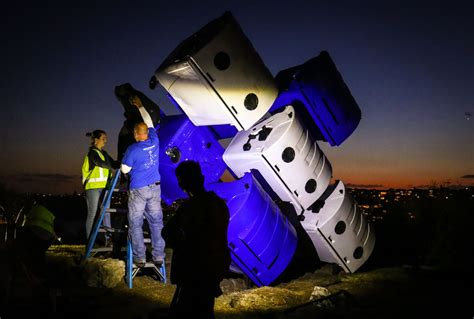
339 232
287 157
217 77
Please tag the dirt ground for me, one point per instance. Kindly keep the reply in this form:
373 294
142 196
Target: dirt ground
390 292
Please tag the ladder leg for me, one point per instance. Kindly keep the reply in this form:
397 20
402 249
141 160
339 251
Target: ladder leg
163 271
129 274
93 234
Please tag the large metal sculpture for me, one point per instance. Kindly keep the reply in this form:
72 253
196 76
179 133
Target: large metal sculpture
218 79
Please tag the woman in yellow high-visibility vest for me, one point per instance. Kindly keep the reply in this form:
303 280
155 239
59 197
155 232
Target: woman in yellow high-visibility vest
95 174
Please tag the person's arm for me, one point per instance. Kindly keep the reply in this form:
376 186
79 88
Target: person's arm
146 117
144 113
95 159
127 162
125 169
113 163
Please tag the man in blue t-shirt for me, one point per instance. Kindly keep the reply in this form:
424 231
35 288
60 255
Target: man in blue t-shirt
141 162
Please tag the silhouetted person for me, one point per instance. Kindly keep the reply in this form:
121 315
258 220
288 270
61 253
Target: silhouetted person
197 233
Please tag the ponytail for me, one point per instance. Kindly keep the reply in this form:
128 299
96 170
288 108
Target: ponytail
94 135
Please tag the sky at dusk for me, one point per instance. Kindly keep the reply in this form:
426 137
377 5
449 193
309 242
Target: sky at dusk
408 64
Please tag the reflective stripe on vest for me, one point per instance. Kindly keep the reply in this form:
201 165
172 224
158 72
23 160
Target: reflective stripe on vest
95 178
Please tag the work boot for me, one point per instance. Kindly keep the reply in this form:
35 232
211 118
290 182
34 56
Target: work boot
139 263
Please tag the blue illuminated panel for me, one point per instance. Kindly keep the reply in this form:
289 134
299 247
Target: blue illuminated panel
317 91
261 238
181 140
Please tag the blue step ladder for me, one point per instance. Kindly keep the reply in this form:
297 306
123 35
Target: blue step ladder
98 227
131 269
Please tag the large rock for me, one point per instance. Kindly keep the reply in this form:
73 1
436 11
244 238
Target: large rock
261 299
101 273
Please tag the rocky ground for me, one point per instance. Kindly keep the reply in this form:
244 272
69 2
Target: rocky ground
96 289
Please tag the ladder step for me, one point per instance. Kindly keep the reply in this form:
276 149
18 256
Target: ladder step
105 229
161 272
116 210
100 250
148 264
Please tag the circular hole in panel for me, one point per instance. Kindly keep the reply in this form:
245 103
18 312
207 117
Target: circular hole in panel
310 186
222 61
288 155
358 252
340 227
251 101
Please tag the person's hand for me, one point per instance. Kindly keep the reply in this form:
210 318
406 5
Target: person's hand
135 100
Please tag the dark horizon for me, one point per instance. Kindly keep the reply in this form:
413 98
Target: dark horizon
350 187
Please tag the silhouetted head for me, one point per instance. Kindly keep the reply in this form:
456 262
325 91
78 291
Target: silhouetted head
124 91
190 178
98 138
